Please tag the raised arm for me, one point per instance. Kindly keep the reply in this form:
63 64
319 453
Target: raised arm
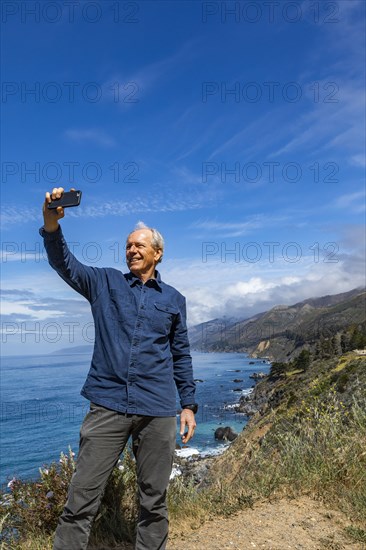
86 280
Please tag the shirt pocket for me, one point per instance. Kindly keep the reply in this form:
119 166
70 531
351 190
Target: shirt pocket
163 316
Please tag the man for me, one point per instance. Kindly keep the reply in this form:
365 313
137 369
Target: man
141 354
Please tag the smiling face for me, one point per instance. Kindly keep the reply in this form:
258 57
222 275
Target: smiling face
141 256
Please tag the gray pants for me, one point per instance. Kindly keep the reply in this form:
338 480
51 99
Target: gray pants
103 436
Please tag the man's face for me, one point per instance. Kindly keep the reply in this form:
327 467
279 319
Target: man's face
141 257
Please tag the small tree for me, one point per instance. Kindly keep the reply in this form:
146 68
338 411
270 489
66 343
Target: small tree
302 361
277 370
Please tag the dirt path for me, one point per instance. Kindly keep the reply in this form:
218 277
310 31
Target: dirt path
301 524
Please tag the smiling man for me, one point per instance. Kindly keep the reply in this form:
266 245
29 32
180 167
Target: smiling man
144 250
141 356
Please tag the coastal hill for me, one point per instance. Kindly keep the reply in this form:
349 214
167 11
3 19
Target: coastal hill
281 333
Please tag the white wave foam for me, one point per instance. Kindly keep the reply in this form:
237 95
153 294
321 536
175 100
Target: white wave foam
186 453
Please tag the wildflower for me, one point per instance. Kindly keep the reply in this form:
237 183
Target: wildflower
49 494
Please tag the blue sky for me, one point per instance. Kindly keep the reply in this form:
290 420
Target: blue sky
235 128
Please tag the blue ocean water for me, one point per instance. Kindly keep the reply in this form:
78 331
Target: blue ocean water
42 410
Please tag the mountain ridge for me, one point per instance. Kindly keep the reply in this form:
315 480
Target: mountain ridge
283 332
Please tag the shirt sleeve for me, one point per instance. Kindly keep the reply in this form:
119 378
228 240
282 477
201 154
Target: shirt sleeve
182 360
86 280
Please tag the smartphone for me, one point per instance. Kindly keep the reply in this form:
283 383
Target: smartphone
69 198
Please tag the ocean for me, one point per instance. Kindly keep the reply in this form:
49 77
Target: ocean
42 409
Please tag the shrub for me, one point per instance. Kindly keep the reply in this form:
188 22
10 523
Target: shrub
31 509
34 507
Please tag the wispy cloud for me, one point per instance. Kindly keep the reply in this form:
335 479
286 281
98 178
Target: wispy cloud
11 215
230 229
237 229
356 202
329 126
35 321
330 116
149 76
335 121
358 160
90 136
20 304
169 201
140 204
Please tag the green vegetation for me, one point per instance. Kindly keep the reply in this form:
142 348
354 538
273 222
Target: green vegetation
32 509
356 533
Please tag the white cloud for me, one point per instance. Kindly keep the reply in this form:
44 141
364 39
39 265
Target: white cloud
168 201
330 125
20 310
230 229
148 76
354 202
238 229
241 289
358 160
92 135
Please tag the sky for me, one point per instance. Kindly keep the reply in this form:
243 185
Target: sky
235 128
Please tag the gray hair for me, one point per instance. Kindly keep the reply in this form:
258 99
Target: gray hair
157 240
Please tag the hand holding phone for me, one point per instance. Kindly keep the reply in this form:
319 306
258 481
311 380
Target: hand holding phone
54 204
67 199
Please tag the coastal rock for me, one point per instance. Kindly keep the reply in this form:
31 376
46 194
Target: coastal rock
257 401
247 406
237 380
192 467
225 434
257 375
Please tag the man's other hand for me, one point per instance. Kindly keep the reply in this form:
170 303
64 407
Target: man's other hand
187 421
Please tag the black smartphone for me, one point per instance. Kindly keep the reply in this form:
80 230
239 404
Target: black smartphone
69 198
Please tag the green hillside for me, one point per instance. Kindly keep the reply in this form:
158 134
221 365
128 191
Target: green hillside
307 427
306 436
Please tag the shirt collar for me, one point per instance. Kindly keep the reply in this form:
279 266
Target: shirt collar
133 280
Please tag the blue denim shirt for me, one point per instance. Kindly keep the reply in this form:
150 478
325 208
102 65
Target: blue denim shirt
141 350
